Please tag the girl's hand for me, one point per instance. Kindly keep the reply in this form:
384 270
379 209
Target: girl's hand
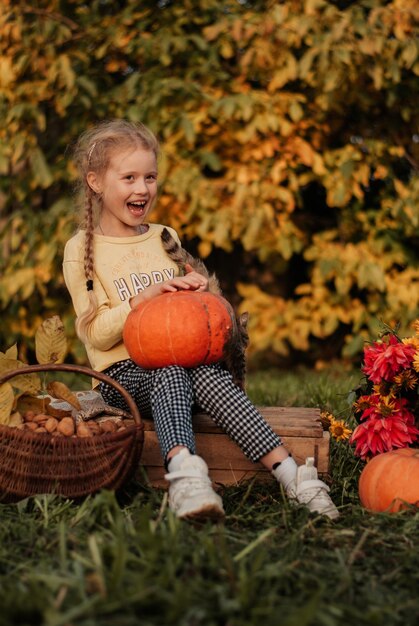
192 281
201 280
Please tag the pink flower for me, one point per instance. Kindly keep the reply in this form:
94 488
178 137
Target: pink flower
383 360
385 426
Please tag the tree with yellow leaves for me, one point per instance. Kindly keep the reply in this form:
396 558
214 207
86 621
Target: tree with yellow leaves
290 141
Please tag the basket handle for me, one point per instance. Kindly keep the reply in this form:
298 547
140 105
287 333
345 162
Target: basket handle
80 369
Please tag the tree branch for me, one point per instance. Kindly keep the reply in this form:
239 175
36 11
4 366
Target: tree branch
53 16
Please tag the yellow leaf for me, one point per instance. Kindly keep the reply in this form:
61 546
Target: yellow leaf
296 111
7 365
410 53
40 168
11 353
402 191
7 74
66 71
15 420
377 76
318 165
367 46
371 276
28 383
311 6
212 32
280 78
22 279
305 151
204 248
50 341
299 334
237 30
6 402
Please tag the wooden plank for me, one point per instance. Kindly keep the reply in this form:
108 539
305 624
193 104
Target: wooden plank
299 428
220 451
294 421
232 474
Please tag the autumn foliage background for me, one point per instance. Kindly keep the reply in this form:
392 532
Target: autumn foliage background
290 155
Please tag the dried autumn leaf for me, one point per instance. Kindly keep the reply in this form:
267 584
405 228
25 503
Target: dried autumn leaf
8 365
50 341
6 403
28 383
15 420
32 403
62 392
11 353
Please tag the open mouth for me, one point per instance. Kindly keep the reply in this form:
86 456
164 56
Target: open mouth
137 207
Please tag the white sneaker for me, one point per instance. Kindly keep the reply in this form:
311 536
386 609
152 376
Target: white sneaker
191 495
312 492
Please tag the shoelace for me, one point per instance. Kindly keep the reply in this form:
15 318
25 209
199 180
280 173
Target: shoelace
189 472
314 495
190 488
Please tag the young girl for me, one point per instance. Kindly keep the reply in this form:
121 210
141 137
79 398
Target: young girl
115 262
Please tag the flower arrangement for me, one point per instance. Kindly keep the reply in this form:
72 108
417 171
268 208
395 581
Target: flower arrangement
387 405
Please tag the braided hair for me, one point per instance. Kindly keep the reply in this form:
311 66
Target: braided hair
92 153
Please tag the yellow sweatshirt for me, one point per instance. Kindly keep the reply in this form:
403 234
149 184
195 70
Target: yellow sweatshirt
123 266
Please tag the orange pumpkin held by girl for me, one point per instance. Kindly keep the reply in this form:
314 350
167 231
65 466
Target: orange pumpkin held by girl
180 328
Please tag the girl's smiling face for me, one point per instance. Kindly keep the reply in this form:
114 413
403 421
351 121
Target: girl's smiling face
128 190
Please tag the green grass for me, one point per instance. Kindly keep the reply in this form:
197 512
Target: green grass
125 560
303 387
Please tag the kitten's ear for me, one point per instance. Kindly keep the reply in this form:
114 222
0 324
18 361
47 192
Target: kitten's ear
244 319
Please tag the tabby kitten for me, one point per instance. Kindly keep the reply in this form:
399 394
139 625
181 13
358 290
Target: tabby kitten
235 360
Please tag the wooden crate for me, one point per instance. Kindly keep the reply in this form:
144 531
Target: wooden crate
299 427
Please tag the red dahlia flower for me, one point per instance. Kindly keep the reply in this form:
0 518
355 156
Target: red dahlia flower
384 360
380 434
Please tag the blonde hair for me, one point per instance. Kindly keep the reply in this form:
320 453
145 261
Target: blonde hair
92 153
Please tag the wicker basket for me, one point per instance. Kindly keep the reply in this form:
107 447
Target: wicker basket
35 463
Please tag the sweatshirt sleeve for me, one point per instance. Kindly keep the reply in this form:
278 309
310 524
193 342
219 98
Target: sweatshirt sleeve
105 330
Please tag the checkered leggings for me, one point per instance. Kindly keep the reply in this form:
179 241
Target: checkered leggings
168 395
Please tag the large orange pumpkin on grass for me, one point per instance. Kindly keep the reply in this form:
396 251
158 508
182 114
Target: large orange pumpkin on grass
390 480
187 328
